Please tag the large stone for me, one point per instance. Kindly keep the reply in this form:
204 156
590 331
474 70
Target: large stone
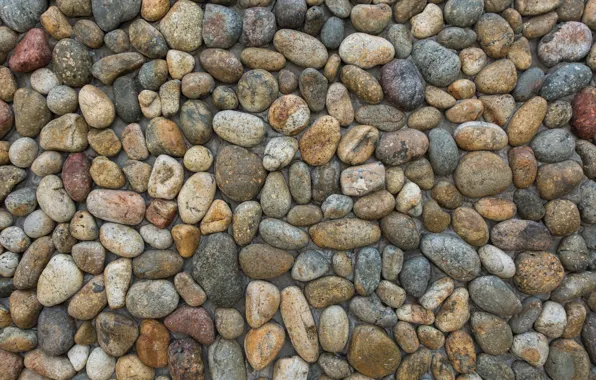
454 256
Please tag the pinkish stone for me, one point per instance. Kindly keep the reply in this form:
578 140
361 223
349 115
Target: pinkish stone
192 321
76 177
31 53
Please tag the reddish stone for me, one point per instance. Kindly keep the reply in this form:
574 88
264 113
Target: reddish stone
31 53
583 121
76 177
12 365
6 119
186 360
161 212
193 321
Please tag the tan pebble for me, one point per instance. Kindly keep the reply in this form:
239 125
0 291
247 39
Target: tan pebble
496 209
525 122
464 111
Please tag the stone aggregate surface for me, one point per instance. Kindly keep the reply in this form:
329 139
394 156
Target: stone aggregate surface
298 189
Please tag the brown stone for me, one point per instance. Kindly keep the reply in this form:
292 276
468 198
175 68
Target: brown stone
537 272
372 352
186 360
523 166
193 321
556 180
460 349
263 344
152 344
496 209
161 212
187 238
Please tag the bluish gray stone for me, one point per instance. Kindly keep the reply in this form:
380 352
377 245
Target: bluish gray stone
463 12
529 84
367 271
315 17
452 255
337 206
332 33
553 145
22 15
456 38
524 320
565 80
438 65
110 14
371 310
401 38
442 151
309 265
222 26
415 275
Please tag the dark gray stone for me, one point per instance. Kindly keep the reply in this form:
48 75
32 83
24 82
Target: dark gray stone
565 80
402 84
315 17
415 275
153 74
456 38
529 84
522 322
215 268
72 63
126 99
313 87
325 180
553 145
494 368
573 253
524 371
290 13
196 121
529 205
55 330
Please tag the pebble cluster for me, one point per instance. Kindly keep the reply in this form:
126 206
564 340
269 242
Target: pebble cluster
298 189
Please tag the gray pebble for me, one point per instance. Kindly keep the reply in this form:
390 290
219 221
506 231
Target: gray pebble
332 33
415 275
553 145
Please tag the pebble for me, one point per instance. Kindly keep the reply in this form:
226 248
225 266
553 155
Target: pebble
565 80
57 367
226 360
583 106
402 84
428 22
496 175
293 45
495 296
499 77
222 283
299 322
365 51
327 234
362 83
566 351
59 280
258 27
438 65
221 26
372 352
452 255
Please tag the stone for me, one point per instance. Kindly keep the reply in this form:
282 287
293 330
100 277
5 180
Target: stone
57 367
327 291
262 345
251 169
293 45
583 106
496 261
152 343
427 23
299 323
502 301
185 359
452 255
496 175
495 35
372 352
258 27
186 16
222 282
226 360
139 293
31 53
192 321
479 135
499 77
565 80
361 233
59 280
402 84
438 65
362 83
567 351
222 26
